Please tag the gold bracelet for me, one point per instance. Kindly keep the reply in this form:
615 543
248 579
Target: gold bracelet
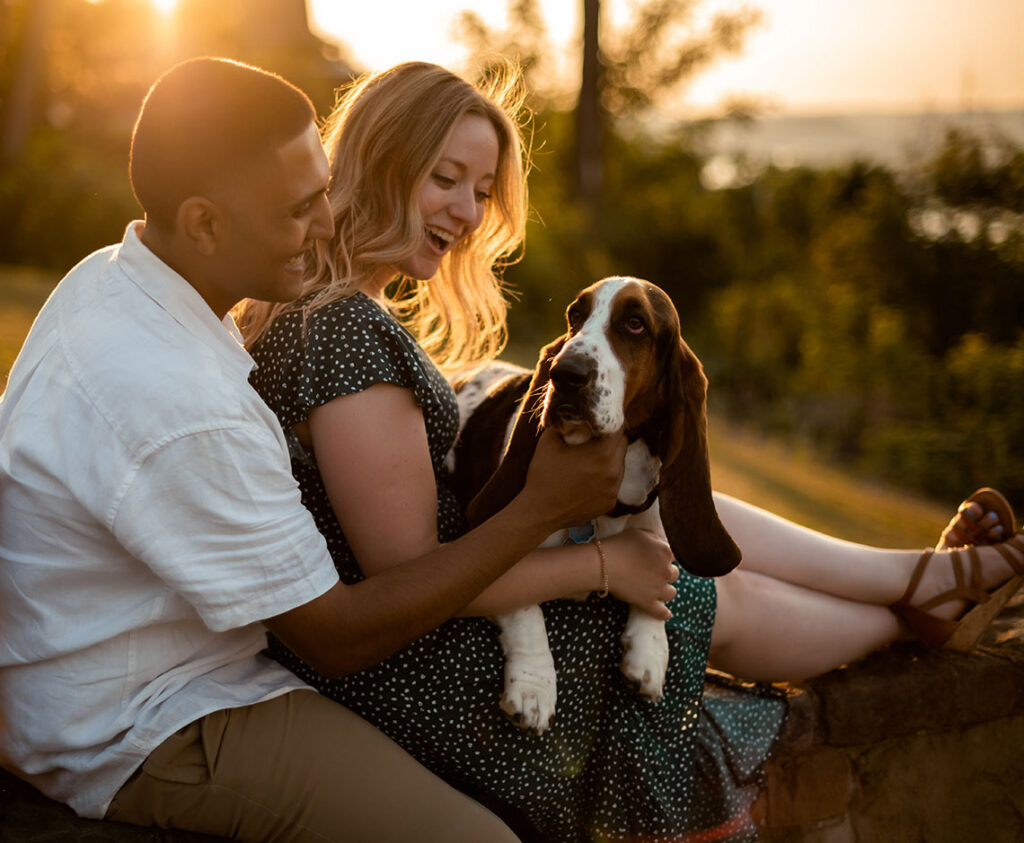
603 591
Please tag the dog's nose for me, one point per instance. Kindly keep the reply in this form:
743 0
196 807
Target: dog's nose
571 372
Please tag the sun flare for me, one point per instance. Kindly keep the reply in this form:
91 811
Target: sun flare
165 7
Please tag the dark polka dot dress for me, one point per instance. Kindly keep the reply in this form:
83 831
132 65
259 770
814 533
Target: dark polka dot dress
613 766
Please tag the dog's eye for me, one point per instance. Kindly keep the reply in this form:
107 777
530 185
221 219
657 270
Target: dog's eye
635 325
574 317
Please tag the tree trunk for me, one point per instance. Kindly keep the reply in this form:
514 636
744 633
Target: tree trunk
19 107
588 111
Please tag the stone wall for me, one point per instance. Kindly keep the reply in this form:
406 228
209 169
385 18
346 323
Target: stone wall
907 745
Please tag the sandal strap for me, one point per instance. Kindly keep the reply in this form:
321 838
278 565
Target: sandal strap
976 591
973 592
916 574
1012 559
962 633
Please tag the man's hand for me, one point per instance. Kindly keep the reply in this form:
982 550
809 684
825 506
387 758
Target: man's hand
572 484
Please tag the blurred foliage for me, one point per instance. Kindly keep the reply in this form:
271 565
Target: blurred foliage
878 315
624 71
650 56
64 187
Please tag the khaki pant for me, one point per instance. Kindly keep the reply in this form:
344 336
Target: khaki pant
297 768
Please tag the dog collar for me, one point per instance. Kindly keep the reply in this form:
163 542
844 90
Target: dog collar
582 533
621 508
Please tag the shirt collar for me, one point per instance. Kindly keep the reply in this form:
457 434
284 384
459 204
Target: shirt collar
180 299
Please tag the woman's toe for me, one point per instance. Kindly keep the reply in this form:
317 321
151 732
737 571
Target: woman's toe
972 525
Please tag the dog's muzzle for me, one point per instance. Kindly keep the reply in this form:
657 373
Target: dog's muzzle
569 403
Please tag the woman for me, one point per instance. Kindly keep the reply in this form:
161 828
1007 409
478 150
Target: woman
428 185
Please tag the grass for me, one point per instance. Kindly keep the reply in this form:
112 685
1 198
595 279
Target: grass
22 293
786 481
798 486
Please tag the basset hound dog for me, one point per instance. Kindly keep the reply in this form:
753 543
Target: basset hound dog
621 365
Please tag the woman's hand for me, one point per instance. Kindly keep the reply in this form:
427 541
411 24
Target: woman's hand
641 570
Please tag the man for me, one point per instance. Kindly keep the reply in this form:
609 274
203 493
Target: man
151 531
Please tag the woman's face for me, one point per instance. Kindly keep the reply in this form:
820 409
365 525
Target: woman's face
455 193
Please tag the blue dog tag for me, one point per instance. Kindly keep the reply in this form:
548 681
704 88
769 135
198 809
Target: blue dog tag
582 533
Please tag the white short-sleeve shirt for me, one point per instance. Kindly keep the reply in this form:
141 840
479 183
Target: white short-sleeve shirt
148 522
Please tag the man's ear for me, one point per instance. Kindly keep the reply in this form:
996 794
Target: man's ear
201 222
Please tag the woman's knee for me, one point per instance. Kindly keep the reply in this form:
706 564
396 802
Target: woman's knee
735 590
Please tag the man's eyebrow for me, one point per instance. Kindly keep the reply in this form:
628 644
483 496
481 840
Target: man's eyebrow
305 200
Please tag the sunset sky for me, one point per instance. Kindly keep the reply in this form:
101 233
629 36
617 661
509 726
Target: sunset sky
808 56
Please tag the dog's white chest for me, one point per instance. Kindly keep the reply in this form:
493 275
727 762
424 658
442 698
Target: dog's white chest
530 683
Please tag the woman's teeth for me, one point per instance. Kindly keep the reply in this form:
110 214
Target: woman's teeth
441 238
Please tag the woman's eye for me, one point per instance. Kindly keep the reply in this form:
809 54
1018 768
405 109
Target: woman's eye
444 181
635 325
482 196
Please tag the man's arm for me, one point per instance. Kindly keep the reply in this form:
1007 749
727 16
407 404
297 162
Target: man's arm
352 627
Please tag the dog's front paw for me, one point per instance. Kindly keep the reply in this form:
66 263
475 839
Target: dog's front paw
645 654
530 694
529 698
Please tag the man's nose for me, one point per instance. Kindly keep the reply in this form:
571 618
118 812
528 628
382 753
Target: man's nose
323 220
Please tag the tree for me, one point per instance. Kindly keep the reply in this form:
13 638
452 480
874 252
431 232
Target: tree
589 129
72 76
624 73
18 107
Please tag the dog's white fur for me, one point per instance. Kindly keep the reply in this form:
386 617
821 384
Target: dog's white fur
591 342
530 685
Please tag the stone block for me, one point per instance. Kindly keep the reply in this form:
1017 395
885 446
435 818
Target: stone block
805 790
802 730
965 784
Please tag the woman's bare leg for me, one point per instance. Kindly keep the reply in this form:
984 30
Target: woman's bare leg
803 603
787 551
769 630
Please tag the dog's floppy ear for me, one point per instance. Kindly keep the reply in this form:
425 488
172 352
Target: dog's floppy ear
510 476
695 532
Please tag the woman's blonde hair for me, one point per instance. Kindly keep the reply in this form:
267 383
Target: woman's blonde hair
386 133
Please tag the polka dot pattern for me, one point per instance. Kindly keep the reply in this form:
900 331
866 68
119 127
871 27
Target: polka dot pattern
613 765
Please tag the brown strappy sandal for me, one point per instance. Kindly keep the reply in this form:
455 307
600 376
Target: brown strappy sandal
970 530
963 633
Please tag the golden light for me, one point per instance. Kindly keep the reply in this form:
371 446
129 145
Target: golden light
165 7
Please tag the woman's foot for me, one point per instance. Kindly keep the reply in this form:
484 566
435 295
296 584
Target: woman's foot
953 595
983 518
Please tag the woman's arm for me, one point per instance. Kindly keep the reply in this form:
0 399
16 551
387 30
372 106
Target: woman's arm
371 447
372 451
351 627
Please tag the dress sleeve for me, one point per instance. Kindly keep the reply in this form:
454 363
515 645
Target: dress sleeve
351 345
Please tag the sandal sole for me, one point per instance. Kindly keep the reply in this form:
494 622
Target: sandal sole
973 625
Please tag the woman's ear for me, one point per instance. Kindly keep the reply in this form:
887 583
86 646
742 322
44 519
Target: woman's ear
201 223
695 533
510 476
